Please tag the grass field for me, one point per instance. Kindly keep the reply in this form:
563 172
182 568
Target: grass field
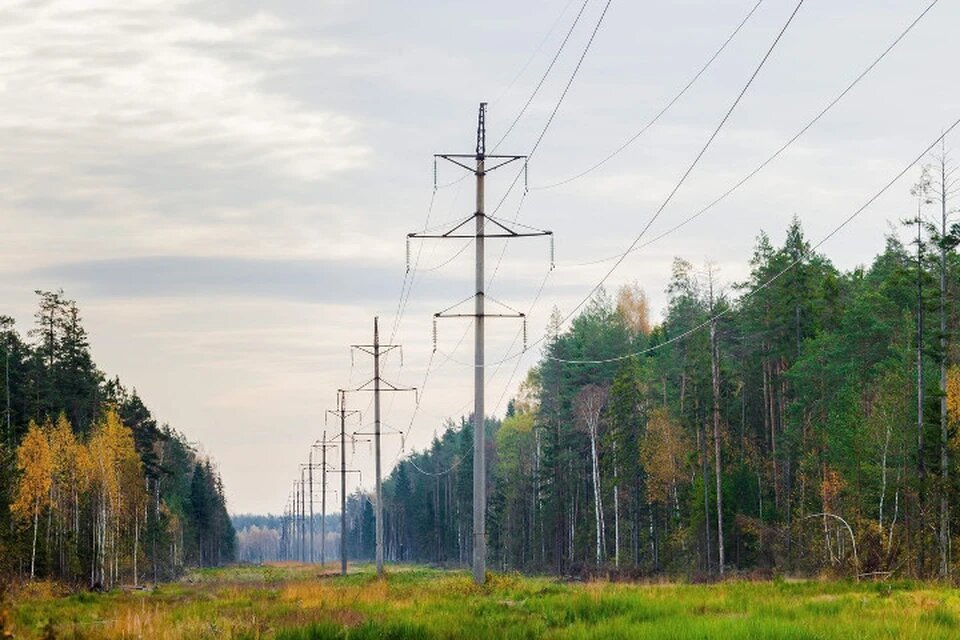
304 603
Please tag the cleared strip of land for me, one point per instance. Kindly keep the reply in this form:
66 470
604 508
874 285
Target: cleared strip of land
300 602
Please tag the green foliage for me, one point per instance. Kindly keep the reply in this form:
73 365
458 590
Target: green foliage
817 411
180 518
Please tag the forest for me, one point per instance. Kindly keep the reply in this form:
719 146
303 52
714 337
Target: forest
93 490
801 421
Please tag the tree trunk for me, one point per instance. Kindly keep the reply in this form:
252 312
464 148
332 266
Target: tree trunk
944 457
136 548
715 380
36 524
596 493
616 510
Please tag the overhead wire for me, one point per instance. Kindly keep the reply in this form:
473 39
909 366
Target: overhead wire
793 264
457 254
539 140
683 178
530 99
536 51
776 154
556 108
517 362
543 78
660 113
679 183
434 474
693 164
573 76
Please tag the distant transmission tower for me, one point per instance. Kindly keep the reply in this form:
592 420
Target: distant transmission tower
342 414
501 229
375 384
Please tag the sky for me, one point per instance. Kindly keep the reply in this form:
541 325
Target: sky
225 187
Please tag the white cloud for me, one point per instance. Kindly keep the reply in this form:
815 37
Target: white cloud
106 77
109 111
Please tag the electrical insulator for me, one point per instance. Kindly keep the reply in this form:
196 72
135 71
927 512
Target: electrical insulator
434 173
434 334
403 442
408 254
552 261
526 184
524 333
353 445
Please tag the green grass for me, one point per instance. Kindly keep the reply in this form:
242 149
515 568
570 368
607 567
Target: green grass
293 602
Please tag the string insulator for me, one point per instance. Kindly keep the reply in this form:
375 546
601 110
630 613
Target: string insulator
403 442
353 445
434 173
552 254
526 183
434 334
524 333
408 254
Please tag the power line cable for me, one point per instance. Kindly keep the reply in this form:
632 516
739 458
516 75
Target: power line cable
546 126
693 164
549 120
776 153
779 274
434 474
553 114
543 78
779 151
573 77
556 108
536 51
659 114
680 182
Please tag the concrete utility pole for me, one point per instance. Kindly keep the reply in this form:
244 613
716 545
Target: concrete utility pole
296 519
342 413
310 476
480 218
288 529
303 516
376 350
283 530
308 490
323 445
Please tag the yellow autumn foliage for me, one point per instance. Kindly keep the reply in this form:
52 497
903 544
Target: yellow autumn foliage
115 467
953 393
953 402
662 451
633 307
35 465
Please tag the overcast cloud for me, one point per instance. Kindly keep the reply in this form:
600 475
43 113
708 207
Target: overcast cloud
225 187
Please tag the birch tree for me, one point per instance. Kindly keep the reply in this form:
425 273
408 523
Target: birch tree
589 404
35 465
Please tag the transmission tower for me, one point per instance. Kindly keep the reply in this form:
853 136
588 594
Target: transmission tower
342 413
501 229
377 350
323 445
